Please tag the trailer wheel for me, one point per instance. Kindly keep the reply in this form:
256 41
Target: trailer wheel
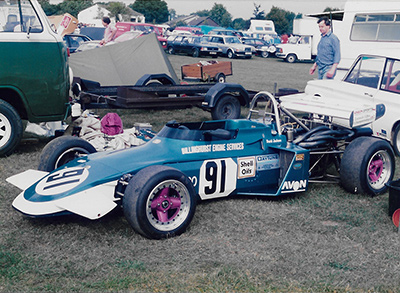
220 77
227 107
159 202
11 129
367 165
291 58
62 150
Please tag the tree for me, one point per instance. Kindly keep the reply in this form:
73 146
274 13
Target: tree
48 8
203 13
155 11
282 19
73 7
258 13
240 24
219 14
118 9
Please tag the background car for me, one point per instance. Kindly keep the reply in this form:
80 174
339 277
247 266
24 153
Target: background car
232 47
195 46
73 41
262 48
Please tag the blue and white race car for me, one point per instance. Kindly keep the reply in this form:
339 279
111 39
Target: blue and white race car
159 183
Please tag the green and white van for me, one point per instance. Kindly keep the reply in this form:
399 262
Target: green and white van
34 72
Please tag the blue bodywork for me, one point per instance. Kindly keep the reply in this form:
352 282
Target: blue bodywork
220 158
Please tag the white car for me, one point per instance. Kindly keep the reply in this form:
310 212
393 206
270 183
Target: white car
371 81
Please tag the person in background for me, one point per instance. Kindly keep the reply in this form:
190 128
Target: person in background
328 55
109 32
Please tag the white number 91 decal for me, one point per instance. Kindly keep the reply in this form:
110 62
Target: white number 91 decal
217 178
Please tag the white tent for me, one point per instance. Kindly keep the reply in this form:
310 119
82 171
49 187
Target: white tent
122 63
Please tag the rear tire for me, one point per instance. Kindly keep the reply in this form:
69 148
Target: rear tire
367 165
264 54
62 150
159 202
227 107
11 129
195 53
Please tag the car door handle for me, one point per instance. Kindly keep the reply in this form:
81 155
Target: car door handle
369 95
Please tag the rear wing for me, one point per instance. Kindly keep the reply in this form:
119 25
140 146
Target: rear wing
349 116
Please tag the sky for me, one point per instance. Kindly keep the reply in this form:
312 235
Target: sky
244 8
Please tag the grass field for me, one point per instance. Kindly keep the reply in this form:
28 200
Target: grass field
324 240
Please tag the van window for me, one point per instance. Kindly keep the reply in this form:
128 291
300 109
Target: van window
376 27
11 14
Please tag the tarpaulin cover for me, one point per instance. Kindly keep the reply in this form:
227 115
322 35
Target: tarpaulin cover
122 63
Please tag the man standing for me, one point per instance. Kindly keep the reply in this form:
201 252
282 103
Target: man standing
109 32
328 55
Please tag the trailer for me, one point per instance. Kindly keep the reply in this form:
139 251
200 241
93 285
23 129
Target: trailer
207 70
223 100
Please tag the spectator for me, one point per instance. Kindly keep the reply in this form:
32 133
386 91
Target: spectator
109 32
328 55
284 38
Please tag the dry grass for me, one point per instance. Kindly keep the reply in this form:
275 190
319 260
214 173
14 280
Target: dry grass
324 240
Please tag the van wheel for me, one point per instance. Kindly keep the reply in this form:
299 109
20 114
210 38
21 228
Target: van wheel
291 58
11 129
62 150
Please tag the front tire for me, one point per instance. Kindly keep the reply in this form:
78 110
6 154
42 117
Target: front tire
230 54
227 107
62 150
291 58
171 50
367 165
159 202
11 129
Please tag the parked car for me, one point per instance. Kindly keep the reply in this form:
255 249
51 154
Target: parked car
298 47
73 41
34 75
371 80
145 28
263 49
195 46
231 46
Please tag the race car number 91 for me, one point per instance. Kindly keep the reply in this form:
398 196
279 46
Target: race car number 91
217 178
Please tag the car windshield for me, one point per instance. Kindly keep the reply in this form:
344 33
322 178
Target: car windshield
366 71
232 40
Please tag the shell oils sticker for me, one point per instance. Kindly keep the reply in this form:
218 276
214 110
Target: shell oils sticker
61 181
300 157
267 162
246 167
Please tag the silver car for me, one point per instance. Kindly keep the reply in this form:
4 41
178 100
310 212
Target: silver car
231 46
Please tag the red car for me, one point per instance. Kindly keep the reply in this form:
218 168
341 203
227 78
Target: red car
146 28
